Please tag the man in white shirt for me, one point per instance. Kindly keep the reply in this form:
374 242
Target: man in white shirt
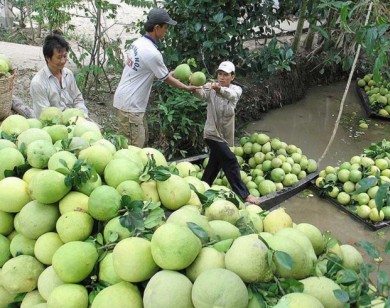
144 64
55 85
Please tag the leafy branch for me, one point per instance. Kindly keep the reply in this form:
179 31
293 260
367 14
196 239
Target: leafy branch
141 218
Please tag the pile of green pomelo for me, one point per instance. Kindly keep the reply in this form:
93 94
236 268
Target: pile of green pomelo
362 183
88 221
378 94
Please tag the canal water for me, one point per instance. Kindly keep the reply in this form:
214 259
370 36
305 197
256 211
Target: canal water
309 124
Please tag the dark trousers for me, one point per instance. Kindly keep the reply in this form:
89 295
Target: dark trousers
221 157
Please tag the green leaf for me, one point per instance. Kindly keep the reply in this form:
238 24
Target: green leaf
341 295
113 237
224 245
383 280
387 248
364 184
154 218
284 259
371 250
382 195
198 231
347 277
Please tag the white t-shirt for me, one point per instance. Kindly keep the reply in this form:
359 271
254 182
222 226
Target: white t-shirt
144 63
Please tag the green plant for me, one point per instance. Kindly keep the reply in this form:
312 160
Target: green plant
176 119
211 31
272 58
363 287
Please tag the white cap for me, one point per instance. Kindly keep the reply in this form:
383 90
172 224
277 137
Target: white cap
227 67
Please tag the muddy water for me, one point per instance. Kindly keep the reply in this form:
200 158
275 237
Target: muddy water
309 124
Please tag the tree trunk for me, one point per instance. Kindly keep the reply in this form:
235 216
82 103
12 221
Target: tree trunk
301 21
313 22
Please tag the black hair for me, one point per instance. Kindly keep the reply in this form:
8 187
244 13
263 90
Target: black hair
54 41
149 26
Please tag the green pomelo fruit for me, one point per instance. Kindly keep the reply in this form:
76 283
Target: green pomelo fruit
98 156
174 192
301 263
10 158
223 210
104 203
45 247
132 189
343 175
74 261
301 239
120 170
252 219
106 143
30 135
74 200
14 125
372 191
363 211
185 168
69 113
107 271
51 115
290 179
57 160
4 68
277 175
120 294
277 220
5 251
178 286
323 289
48 281
298 300
85 126
87 187
314 235
312 165
92 137
133 261
385 210
39 152
348 187
343 198
198 79
21 245
6 223
208 258
57 132
7 60
131 155
4 143
13 194
352 259
36 218
248 258
74 226
20 274
68 296
75 146
34 123
197 183
182 72
381 163
31 299
150 191
174 247
183 216
48 186
266 187
224 230
219 288
6 297
148 153
114 231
